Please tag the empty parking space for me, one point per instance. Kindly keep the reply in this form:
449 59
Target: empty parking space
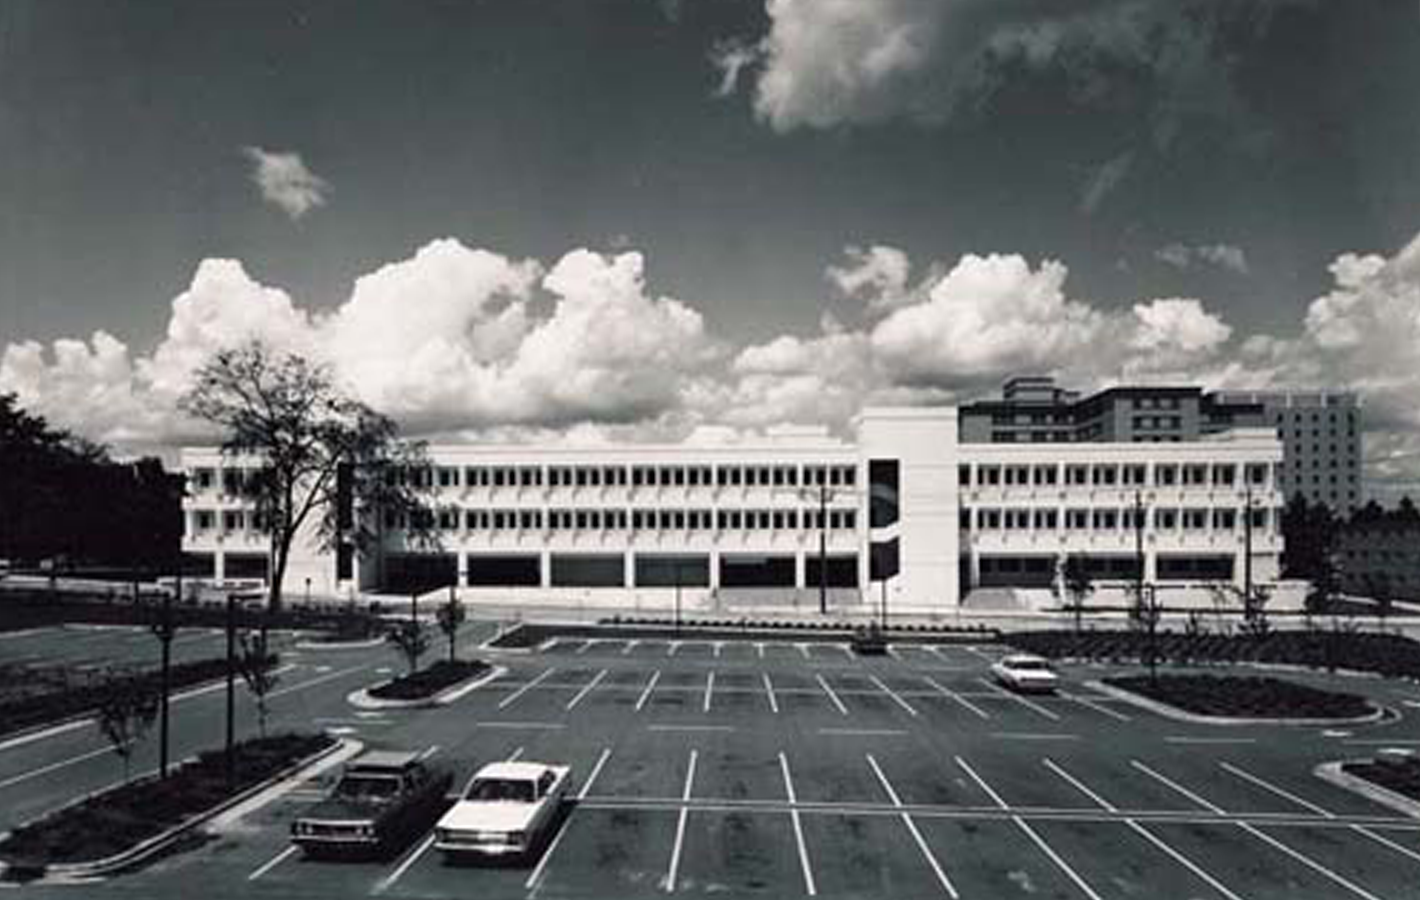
611 852
738 853
867 856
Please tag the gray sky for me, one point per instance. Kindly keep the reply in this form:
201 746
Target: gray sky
1211 151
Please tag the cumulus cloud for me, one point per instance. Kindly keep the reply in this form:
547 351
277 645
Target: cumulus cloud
286 182
469 342
878 274
824 63
1224 256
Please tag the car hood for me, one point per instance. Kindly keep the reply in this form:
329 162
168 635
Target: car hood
469 815
1031 674
341 809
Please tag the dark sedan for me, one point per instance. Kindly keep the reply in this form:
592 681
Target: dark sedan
381 802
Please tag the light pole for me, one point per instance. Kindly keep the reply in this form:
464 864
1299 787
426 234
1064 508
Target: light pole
676 566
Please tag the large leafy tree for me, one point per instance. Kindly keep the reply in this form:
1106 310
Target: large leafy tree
320 458
62 496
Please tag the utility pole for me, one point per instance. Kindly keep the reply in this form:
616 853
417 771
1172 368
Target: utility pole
1139 549
1247 552
165 631
231 757
676 564
823 545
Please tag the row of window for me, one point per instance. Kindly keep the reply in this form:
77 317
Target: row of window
635 519
1112 474
1107 519
648 476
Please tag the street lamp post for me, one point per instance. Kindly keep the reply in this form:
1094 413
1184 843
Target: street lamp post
676 566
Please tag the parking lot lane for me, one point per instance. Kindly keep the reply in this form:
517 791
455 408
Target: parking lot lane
945 706
610 853
1017 773
1249 867
1117 861
1368 866
922 773
733 767
992 858
740 853
738 695
648 764
864 855
833 771
1112 779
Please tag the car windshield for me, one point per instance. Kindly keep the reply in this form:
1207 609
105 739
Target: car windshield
367 787
1029 665
510 790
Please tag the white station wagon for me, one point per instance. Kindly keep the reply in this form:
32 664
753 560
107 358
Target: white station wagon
506 810
1024 672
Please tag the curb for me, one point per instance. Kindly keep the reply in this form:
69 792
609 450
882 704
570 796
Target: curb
1332 772
61 873
693 632
361 699
368 644
1181 715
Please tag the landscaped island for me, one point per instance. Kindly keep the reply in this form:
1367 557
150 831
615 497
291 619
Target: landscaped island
1244 697
117 820
1400 775
427 682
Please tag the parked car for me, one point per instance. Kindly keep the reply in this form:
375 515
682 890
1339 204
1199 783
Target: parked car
506 811
380 803
1025 672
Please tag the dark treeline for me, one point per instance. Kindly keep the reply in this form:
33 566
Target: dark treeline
63 498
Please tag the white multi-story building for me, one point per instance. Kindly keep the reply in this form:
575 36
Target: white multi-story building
905 511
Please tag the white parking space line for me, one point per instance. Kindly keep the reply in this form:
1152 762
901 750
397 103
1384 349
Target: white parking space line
630 645
429 751
769 692
596 770
709 691
680 824
832 696
1097 707
1030 832
586 645
515 755
552 726
405 865
1182 860
809 887
1176 787
1275 790
1188 739
672 647
847 651
535 877
1079 786
759 648
864 732
1028 704
1381 839
272 863
690 727
513 697
1307 861
893 694
953 695
718 645
942 878
646 693
804 649
591 685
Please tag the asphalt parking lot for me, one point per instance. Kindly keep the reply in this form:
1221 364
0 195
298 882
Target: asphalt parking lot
796 769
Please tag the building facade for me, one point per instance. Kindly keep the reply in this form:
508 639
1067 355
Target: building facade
1321 443
906 512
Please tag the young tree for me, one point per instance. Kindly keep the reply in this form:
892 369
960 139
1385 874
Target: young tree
1255 609
125 716
412 640
325 458
451 615
254 665
1078 587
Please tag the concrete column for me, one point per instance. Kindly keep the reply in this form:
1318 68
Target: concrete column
629 567
219 564
800 580
545 566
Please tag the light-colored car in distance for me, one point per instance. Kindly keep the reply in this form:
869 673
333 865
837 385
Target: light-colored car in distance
1026 673
506 810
